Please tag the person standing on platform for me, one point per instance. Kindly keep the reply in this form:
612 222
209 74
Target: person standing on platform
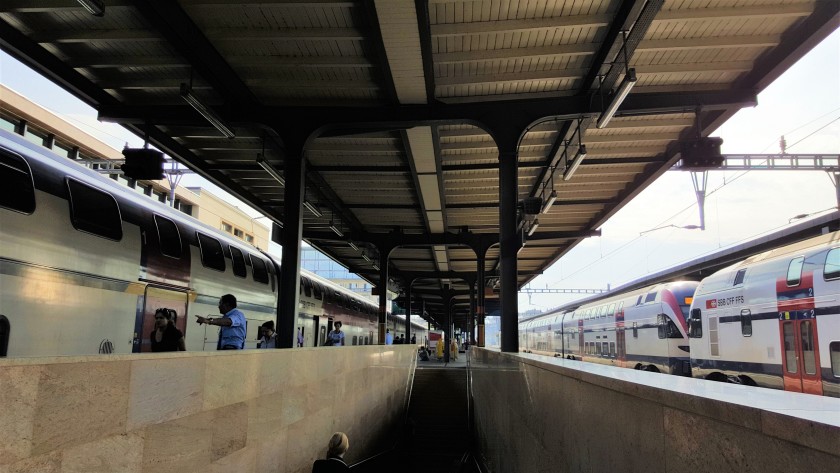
336 449
336 337
414 339
389 339
453 349
233 324
165 337
269 336
402 339
300 336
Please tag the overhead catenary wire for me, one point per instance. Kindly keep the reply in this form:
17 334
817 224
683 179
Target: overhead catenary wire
603 258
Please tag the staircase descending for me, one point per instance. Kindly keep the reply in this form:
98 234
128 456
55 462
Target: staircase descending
437 437
438 416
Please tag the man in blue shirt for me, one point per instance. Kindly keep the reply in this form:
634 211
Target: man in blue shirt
233 324
389 339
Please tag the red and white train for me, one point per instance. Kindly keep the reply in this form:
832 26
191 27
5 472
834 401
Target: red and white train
85 262
772 320
645 329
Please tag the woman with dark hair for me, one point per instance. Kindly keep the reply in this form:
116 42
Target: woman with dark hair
335 455
165 337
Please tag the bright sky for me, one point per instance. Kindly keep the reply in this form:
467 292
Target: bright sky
803 105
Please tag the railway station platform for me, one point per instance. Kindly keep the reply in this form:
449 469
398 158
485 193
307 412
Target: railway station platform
274 410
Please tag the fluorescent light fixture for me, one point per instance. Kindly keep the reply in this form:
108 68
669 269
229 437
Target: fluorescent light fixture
353 245
534 226
548 203
575 163
376 267
623 89
311 207
366 257
336 230
271 170
94 7
207 113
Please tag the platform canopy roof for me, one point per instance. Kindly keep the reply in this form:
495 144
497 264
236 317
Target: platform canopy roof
400 107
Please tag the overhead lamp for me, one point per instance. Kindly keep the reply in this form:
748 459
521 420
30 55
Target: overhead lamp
271 170
336 230
311 207
94 7
353 245
548 203
581 153
626 84
534 226
376 267
206 112
366 257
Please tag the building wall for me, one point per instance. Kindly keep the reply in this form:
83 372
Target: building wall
538 414
265 411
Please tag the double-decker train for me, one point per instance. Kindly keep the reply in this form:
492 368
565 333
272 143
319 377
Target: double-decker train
771 320
85 262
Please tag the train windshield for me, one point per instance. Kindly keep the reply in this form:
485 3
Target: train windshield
684 296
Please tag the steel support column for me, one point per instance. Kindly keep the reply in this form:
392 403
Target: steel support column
383 293
480 284
472 312
287 307
408 312
509 242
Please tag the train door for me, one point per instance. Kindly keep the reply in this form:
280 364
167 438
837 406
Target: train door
156 297
620 340
798 329
801 360
317 331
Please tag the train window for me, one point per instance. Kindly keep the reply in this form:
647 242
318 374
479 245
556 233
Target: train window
18 191
794 274
662 325
260 271
746 323
272 277
94 211
317 290
168 236
306 285
355 339
714 343
5 329
238 259
650 297
695 324
639 300
211 252
739 277
831 270
635 330
611 310
806 341
833 352
598 348
612 349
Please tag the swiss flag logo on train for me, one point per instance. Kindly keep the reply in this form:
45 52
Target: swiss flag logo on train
711 303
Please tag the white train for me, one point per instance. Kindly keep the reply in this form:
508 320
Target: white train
772 320
85 262
644 329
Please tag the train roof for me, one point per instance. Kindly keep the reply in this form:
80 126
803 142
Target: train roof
46 157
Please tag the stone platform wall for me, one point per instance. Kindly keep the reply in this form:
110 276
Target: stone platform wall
251 411
538 414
